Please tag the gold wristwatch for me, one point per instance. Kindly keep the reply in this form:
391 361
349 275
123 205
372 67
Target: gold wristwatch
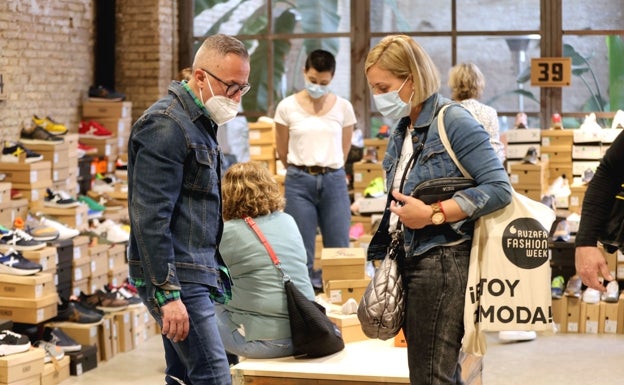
437 217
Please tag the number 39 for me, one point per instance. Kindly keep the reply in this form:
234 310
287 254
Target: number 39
550 72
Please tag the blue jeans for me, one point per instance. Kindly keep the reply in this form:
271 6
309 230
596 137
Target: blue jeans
321 201
200 359
235 342
434 321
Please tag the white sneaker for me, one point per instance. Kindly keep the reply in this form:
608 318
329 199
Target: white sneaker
516 335
613 292
111 230
591 295
64 231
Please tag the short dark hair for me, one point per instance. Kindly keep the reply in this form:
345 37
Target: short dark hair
321 60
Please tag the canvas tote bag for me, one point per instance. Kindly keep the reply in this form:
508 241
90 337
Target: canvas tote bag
509 275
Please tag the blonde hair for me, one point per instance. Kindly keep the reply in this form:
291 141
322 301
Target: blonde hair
402 57
466 82
248 189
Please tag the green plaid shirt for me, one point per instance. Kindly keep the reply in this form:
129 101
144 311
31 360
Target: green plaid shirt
163 297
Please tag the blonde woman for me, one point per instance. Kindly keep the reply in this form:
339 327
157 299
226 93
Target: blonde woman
255 322
436 236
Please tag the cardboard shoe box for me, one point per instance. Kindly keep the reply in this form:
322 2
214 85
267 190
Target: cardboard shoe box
55 373
261 133
30 311
339 291
21 366
29 287
83 361
349 326
343 263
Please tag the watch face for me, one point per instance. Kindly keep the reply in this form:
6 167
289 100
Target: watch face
437 218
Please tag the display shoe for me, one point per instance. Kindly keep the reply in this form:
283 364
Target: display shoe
516 336
111 230
562 232
70 311
65 232
122 293
573 288
370 155
618 120
105 94
15 152
612 294
13 262
50 125
356 231
531 156
375 188
59 199
93 129
54 353
573 220
61 339
18 240
588 174
349 307
556 287
556 121
591 295
13 343
106 302
550 201
34 134
35 229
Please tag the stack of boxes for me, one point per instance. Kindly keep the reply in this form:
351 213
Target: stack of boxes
344 277
116 116
262 144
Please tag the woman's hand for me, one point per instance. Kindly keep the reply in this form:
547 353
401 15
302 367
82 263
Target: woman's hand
412 212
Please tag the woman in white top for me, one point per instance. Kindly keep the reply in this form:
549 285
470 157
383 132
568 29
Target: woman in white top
467 84
313 131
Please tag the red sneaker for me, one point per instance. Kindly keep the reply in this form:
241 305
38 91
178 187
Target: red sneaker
93 129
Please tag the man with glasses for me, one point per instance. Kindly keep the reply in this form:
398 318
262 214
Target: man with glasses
174 196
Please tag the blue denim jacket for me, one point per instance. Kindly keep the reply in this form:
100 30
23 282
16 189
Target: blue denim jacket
471 144
174 193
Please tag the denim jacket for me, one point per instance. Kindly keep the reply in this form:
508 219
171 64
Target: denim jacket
471 144
174 193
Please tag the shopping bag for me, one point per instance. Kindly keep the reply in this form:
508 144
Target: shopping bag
509 274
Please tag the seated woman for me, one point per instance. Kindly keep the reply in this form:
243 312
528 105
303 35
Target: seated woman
255 322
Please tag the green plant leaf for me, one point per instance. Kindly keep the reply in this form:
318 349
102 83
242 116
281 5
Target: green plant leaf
615 49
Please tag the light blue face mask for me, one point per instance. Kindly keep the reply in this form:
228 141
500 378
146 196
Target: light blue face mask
315 90
391 105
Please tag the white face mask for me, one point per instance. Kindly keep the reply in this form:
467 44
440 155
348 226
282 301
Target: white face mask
391 105
221 109
315 90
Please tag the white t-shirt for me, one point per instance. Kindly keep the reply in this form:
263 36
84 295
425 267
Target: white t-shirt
315 140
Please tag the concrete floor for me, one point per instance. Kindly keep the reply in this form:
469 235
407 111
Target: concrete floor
571 359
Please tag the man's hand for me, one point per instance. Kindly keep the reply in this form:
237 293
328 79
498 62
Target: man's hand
590 263
175 321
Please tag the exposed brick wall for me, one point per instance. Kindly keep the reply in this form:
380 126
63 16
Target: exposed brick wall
47 57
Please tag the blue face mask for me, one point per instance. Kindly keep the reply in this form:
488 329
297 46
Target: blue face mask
315 90
391 105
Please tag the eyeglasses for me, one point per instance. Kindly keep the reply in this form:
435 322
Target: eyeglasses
232 88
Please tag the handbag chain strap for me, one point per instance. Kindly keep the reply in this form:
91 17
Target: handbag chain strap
278 265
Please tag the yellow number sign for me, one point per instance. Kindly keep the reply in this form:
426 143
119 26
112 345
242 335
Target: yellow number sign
551 71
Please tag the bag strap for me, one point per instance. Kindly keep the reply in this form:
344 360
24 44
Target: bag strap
447 144
254 226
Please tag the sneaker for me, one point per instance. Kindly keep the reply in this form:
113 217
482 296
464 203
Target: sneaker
53 352
59 199
16 194
556 122
13 262
573 220
122 293
35 229
121 167
560 187
92 129
375 188
18 240
37 134
591 295
531 156
50 125
356 231
370 155
612 295
61 339
107 302
562 232
556 287
12 343
101 93
550 201
88 150
91 203
70 311
516 336
618 120
384 132
65 232
573 288
111 230
16 152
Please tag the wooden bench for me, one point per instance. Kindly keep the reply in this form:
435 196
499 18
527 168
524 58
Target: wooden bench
360 363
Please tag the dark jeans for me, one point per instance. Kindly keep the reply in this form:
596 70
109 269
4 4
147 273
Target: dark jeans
435 287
